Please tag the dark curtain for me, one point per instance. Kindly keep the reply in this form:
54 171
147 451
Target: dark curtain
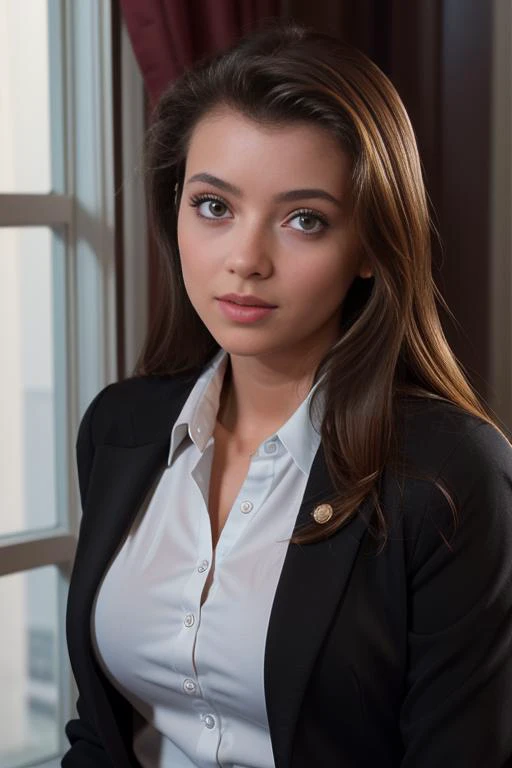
169 35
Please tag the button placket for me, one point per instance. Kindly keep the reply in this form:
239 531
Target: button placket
251 495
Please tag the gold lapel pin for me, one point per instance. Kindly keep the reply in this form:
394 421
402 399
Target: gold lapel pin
322 513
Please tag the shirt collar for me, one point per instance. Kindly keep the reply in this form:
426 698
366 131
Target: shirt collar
300 435
199 414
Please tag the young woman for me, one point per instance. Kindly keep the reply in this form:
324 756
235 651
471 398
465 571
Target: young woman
296 546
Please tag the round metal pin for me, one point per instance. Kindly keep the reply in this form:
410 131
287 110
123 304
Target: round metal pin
323 513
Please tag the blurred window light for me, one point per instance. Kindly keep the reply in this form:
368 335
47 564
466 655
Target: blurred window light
58 338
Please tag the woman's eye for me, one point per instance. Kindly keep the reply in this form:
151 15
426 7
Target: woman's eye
309 223
212 208
209 207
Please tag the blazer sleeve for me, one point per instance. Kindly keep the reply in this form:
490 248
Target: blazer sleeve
86 749
457 707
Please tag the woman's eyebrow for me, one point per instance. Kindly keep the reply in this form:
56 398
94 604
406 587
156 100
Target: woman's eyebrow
291 196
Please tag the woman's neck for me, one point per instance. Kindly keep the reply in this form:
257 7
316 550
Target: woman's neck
254 406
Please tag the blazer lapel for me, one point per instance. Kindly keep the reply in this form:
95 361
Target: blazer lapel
311 586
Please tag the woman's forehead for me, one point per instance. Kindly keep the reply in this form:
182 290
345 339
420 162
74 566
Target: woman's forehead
227 142
227 119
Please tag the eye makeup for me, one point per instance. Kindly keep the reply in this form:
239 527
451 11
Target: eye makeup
197 200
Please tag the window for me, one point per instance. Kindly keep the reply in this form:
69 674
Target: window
58 338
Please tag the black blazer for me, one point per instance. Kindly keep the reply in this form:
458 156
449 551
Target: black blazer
398 658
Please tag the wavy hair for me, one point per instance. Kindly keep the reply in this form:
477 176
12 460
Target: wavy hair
391 344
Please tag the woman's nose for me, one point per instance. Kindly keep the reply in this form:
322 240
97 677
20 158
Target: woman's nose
250 254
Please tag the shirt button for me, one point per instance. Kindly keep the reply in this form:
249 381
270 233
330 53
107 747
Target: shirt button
209 721
203 566
246 507
189 686
270 447
189 620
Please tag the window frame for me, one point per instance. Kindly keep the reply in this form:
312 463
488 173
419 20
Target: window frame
135 225
82 207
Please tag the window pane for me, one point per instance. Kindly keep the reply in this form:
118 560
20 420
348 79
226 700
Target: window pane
29 669
33 463
25 113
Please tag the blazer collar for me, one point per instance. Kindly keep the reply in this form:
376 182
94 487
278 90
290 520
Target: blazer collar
310 588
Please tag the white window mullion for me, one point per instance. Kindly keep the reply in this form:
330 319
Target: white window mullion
57 90
134 209
91 75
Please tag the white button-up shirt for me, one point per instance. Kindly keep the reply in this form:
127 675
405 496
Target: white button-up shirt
194 673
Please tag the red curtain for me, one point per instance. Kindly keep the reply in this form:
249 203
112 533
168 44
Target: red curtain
169 35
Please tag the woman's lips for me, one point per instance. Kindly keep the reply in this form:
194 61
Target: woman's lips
243 314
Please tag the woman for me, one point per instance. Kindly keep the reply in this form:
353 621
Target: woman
296 547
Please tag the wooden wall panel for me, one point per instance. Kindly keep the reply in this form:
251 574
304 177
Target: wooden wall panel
464 202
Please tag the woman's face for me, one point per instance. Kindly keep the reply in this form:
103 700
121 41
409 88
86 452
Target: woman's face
266 211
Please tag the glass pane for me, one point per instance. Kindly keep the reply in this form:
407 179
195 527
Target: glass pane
25 113
29 669
33 463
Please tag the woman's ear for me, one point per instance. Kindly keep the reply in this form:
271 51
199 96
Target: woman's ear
364 268
365 271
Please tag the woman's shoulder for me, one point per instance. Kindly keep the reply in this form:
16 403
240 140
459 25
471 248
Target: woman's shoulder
125 408
451 479
434 431
450 464
135 389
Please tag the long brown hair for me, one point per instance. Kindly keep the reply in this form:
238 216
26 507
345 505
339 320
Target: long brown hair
391 343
